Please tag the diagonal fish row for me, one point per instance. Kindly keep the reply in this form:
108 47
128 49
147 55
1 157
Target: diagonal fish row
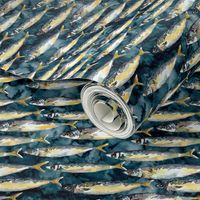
77 61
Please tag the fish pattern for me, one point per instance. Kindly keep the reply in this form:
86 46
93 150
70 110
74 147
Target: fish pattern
147 51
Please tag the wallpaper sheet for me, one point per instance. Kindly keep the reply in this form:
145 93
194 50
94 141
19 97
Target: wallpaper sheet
146 51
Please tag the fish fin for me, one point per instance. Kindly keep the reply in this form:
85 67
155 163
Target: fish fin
6 37
72 124
129 29
191 154
187 16
40 66
38 112
16 153
27 35
24 7
148 184
120 166
15 196
57 181
62 60
38 166
183 101
43 139
100 147
179 53
141 52
62 29
23 101
158 20
136 81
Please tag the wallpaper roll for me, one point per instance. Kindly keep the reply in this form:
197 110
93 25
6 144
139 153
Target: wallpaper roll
115 46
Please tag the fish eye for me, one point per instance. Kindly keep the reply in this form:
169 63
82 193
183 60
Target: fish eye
41 101
138 141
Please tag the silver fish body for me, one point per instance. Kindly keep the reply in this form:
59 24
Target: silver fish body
29 125
149 156
56 85
56 101
67 115
186 126
7 169
15 185
194 33
191 185
164 171
9 5
195 85
6 141
151 196
169 141
104 188
87 134
62 151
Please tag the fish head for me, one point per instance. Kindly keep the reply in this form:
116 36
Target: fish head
115 155
35 152
185 67
140 141
54 167
156 49
168 127
4 126
70 188
34 85
71 134
39 102
161 185
137 172
50 115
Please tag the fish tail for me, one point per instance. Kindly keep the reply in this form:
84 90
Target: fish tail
183 101
147 131
136 81
180 51
16 153
6 37
57 181
120 166
43 139
15 196
191 154
23 101
148 184
72 124
19 56
100 147
39 166
4 91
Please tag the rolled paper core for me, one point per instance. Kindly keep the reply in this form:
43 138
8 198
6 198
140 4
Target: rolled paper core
95 101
